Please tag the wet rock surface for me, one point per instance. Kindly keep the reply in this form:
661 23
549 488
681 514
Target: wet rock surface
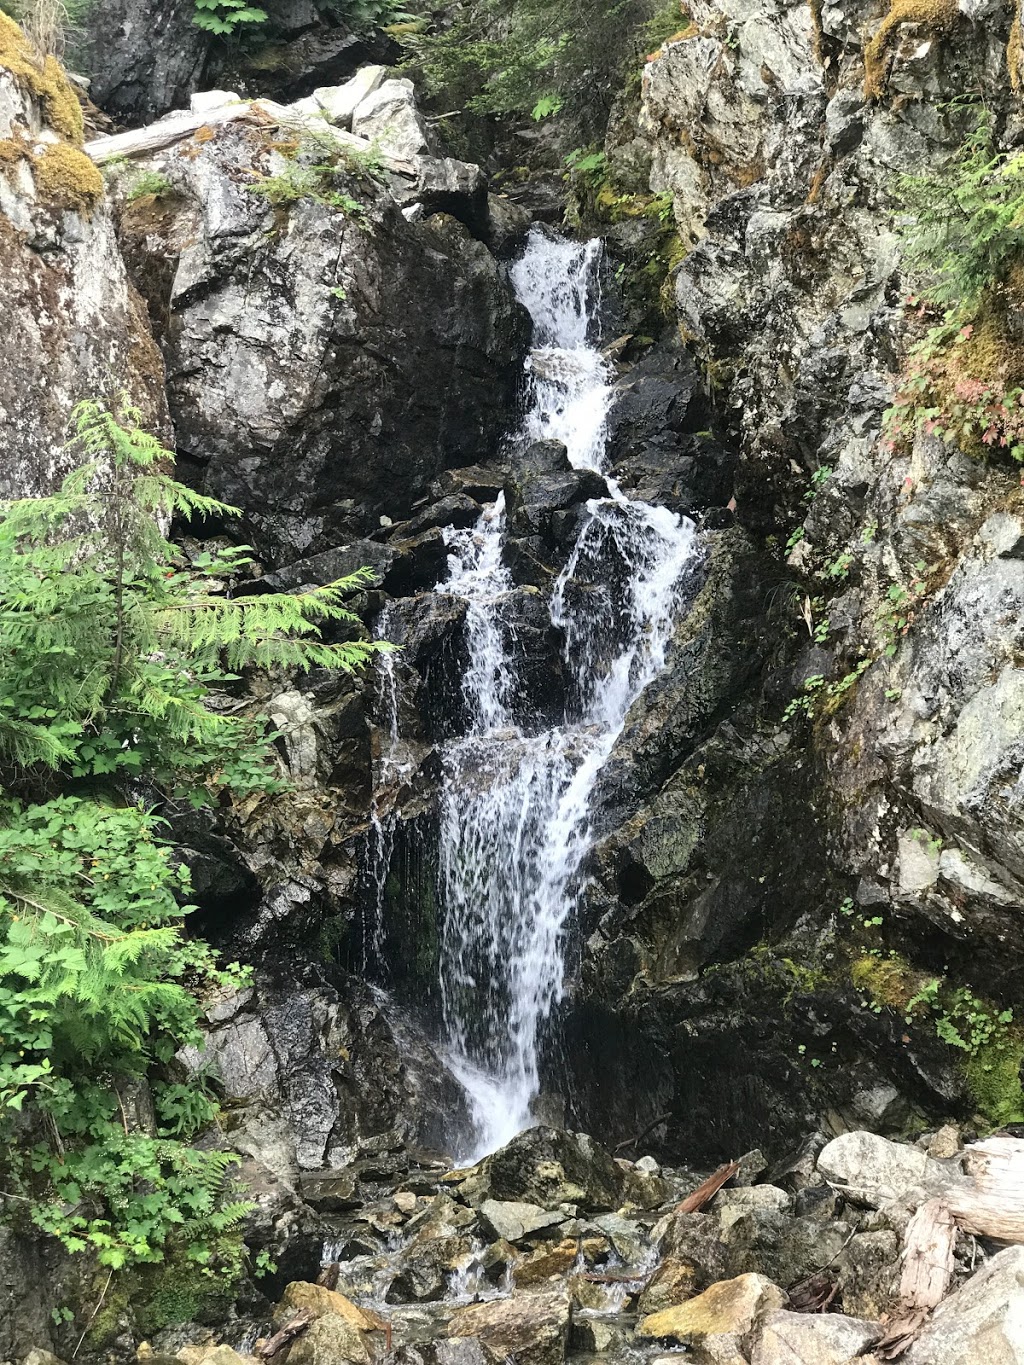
408 1255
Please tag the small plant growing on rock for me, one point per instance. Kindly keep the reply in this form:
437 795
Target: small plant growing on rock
147 183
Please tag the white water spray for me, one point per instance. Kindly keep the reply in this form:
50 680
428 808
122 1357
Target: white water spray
515 806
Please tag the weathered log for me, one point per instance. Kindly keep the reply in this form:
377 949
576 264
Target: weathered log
928 1247
992 1205
293 1328
142 141
707 1190
177 127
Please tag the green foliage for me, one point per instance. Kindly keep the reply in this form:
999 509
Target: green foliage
223 17
114 653
964 232
233 18
316 170
534 57
297 182
962 383
966 219
146 183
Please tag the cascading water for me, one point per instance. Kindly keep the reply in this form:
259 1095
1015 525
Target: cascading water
515 803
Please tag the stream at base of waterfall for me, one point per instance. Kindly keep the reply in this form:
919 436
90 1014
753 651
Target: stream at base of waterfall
515 824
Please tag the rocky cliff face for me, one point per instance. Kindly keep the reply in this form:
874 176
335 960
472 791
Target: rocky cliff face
75 326
780 134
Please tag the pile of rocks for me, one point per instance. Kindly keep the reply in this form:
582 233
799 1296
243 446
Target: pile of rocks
551 1248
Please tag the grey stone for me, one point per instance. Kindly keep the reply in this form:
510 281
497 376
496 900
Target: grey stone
514 1221
875 1171
257 369
981 1321
339 102
387 116
532 1328
812 1339
205 101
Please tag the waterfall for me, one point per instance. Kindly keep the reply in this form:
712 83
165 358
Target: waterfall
515 824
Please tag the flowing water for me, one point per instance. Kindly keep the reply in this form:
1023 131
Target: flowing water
515 807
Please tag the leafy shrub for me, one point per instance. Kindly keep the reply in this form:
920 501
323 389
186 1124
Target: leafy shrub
966 220
231 18
112 651
224 17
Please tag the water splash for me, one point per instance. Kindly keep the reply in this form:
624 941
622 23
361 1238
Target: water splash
515 806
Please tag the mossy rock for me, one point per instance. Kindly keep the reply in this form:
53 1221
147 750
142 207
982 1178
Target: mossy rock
67 179
936 16
43 79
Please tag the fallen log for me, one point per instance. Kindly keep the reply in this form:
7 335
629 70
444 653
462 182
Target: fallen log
707 1190
992 1205
177 127
142 141
292 1329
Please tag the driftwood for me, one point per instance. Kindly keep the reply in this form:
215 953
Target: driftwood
989 1204
993 1204
928 1247
177 127
292 1329
708 1188
141 141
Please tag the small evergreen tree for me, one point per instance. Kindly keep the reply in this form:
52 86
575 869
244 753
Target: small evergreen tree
113 651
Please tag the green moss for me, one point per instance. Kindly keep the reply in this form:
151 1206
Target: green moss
935 15
43 80
67 179
1014 52
888 981
149 1298
992 1074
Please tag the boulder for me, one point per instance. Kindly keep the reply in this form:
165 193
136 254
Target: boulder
869 1273
812 1339
206 101
514 1221
331 1338
79 329
426 1266
302 1296
548 1167
545 1262
299 360
532 1328
143 57
339 102
872 1170
718 1325
388 117
982 1322
733 1204
330 1190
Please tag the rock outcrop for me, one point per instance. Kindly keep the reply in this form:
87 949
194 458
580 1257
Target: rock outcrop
301 317
75 328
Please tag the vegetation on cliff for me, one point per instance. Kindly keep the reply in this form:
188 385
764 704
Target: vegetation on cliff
964 234
116 655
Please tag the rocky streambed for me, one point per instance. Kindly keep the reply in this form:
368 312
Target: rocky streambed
552 1249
